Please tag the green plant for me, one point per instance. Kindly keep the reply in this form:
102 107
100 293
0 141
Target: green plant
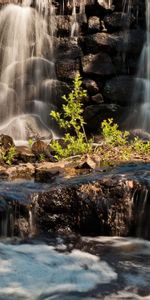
141 146
30 142
71 119
112 134
9 156
41 157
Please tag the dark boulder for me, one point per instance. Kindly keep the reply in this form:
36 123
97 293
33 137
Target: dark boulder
118 21
95 114
101 41
91 86
98 65
6 142
94 24
120 90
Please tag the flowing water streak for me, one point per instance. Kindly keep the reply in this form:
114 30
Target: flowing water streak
143 79
75 24
26 54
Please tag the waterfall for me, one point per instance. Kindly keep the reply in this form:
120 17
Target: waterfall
141 93
144 73
26 61
77 18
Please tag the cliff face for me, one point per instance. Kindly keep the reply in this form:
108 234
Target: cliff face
101 39
113 203
104 43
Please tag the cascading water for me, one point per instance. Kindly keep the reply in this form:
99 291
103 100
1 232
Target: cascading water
144 74
141 94
77 18
26 56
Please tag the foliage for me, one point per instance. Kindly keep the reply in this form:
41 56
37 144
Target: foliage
41 157
112 134
30 142
140 146
9 156
71 119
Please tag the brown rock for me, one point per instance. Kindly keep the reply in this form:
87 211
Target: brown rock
88 163
39 147
120 90
97 99
94 24
6 141
118 21
67 68
98 65
24 171
91 86
25 154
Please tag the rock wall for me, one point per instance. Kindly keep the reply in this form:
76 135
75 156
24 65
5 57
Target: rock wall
106 50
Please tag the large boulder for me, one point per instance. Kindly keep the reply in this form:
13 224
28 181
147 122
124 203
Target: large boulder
120 90
6 142
126 41
8 102
101 41
118 21
95 114
27 126
91 86
94 24
98 65
38 68
63 25
51 91
67 68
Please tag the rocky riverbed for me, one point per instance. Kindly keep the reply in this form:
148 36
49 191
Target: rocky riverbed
75 267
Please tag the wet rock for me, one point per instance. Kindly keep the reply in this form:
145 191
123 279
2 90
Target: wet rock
9 101
68 48
67 68
141 134
97 8
41 149
101 41
63 25
6 141
118 5
87 163
94 24
123 41
91 86
134 44
101 207
98 65
25 154
118 21
97 99
39 68
24 171
120 90
95 114
48 176
52 91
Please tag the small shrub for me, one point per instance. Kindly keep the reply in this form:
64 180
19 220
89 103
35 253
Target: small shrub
71 119
112 134
9 156
140 146
42 157
30 142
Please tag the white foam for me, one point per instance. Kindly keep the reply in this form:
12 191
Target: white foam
31 270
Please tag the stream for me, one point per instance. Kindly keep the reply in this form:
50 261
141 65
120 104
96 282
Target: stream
74 268
71 266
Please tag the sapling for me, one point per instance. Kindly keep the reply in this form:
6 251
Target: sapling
71 120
